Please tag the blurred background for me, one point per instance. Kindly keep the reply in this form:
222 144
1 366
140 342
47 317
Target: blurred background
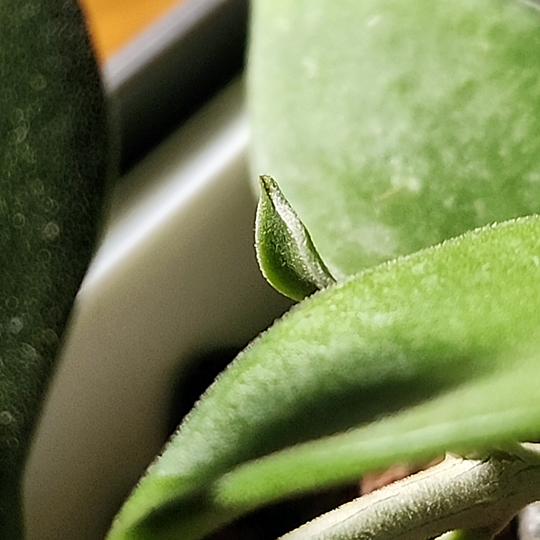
163 59
174 289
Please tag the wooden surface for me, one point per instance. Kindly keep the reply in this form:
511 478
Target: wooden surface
115 22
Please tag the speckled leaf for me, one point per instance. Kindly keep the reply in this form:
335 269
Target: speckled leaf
435 351
53 163
394 125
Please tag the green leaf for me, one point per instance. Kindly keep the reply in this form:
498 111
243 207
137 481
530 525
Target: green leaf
494 409
285 252
54 159
435 351
394 125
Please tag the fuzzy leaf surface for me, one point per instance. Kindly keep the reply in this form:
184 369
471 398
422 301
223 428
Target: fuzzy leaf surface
434 351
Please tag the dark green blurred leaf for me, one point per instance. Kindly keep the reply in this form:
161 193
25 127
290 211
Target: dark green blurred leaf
54 160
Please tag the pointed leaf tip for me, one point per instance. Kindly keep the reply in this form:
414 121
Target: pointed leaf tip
286 254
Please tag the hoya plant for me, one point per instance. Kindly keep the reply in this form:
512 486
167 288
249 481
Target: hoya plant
396 145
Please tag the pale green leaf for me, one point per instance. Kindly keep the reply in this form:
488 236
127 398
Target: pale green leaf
394 125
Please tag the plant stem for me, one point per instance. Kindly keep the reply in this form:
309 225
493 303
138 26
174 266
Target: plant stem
474 496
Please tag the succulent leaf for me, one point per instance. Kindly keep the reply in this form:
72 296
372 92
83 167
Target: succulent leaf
286 254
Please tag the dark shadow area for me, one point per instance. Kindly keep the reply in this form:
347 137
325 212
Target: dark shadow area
160 79
274 521
195 379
